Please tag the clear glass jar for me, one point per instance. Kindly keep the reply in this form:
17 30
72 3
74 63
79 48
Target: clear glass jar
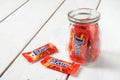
84 40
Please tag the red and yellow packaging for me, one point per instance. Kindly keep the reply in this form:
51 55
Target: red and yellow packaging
78 44
60 65
87 35
40 52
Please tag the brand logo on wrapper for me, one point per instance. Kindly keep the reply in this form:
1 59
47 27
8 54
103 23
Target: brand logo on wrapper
56 62
36 52
78 43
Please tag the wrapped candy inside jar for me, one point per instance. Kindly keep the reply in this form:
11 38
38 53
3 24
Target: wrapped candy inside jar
84 40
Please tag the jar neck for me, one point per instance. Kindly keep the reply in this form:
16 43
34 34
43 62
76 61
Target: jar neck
83 24
84 16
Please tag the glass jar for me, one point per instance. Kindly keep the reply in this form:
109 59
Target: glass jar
84 40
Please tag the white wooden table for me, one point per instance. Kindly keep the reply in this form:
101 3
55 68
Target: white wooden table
28 24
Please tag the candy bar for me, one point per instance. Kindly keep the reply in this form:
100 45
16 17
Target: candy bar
40 52
60 65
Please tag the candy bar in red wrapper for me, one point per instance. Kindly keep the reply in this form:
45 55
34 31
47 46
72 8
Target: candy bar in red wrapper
78 44
60 65
76 28
40 52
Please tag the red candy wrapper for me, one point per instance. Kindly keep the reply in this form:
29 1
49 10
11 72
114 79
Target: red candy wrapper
78 44
60 65
40 52
88 36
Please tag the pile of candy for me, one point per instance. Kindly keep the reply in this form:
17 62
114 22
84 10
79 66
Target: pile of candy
84 42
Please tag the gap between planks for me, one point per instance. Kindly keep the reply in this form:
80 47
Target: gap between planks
67 77
14 11
32 36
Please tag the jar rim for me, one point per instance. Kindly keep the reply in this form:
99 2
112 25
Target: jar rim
84 16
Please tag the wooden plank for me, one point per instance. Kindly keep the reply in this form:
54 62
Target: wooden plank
109 25
86 4
107 66
8 7
17 30
23 70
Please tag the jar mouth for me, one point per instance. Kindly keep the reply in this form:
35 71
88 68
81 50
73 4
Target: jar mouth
84 16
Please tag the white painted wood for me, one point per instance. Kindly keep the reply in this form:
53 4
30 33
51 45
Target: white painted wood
22 70
107 67
109 25
18 29
85 3
8 6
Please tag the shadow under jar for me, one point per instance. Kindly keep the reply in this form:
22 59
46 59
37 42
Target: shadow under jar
84 40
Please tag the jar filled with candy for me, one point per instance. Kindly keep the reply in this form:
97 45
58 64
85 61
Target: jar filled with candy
84 40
